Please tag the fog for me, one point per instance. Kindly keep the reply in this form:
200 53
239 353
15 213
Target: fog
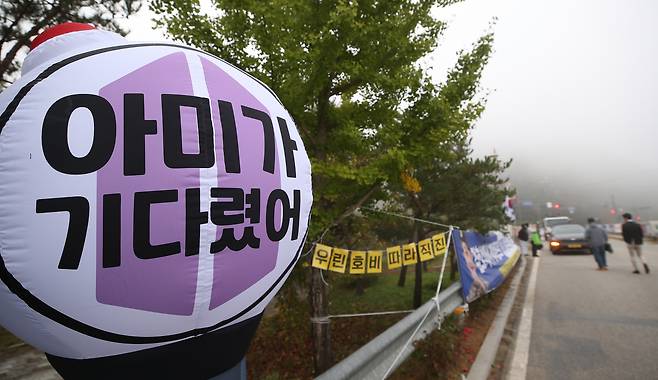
573 96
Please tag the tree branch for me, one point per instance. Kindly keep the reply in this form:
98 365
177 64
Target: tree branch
355 206
345 86
24 40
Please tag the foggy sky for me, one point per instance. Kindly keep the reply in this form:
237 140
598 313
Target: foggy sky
574 93
572 97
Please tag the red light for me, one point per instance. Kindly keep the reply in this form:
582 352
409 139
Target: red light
613 211
557 205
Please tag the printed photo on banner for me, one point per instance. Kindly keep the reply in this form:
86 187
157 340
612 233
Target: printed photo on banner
484 261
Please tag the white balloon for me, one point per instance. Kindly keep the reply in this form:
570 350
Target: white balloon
149 193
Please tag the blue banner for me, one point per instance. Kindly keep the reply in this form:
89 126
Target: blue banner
484 261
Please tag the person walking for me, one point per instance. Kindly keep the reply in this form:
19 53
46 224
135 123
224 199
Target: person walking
523 239
633 236
597 237
535 240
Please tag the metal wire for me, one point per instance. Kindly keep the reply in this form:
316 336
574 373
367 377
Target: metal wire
370 314
409 217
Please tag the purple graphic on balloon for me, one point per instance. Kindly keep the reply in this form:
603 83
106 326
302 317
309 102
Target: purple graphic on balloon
165 284
169 284
236 271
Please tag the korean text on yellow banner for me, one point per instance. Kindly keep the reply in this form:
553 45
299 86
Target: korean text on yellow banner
338 261
439 242
321 256
358 262
394 257
374 261
425 250
409 254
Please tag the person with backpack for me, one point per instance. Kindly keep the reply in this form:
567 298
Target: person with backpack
633 236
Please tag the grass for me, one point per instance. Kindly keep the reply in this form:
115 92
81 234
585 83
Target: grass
381 292
282 348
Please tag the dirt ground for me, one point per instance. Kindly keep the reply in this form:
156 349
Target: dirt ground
20 361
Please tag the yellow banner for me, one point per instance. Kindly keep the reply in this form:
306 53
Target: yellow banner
425 250
374 261
439 242
362 262
394 257
358 262
321 256
338 260
409 254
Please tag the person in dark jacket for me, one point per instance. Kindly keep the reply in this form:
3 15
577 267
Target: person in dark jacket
523 239
633 236
597 237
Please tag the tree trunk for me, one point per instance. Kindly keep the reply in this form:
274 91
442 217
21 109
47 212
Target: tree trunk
360 286
320 323
418 285
418 281
403 276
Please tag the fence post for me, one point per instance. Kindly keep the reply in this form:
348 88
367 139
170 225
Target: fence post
320 328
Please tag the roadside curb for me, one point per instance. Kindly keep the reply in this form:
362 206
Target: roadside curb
518 363
487 355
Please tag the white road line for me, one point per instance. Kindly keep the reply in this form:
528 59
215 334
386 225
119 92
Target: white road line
519 363
481 368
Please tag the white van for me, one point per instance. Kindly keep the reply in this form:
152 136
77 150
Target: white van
551 222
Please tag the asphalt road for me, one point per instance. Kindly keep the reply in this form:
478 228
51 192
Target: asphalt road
595 325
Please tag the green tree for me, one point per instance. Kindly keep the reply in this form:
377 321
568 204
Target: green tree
432 145
347 71
22 20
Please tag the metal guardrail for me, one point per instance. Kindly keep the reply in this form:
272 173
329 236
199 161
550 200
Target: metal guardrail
373 360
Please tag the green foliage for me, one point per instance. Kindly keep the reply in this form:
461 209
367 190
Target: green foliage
344 70
456 188
22 20
382 293
434 356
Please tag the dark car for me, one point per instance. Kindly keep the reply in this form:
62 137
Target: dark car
568 238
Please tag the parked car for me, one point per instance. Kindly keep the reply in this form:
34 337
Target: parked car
551 222
568 238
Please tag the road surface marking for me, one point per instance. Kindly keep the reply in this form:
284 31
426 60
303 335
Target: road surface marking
519 363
